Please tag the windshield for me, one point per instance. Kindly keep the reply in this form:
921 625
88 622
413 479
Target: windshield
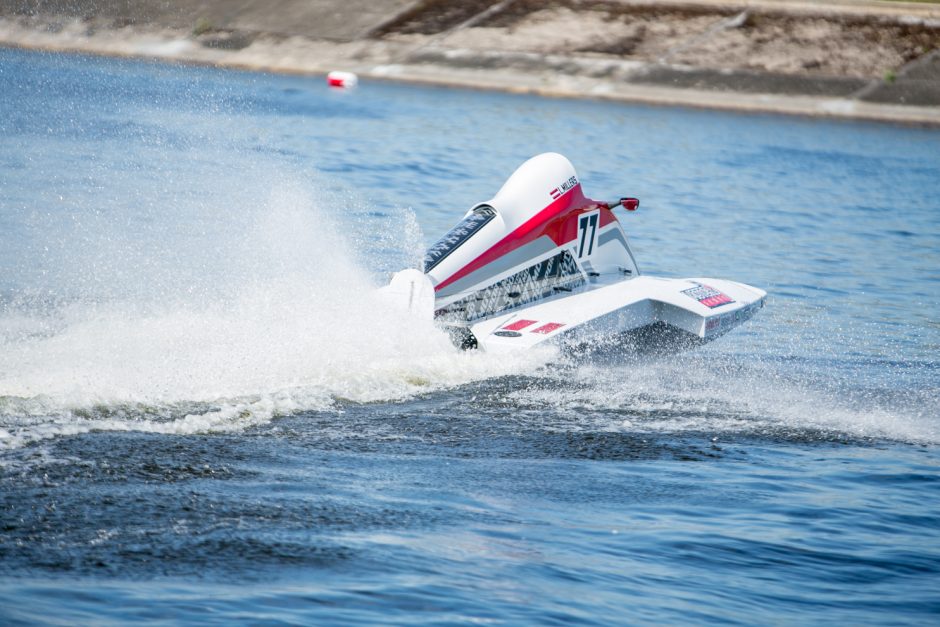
457 236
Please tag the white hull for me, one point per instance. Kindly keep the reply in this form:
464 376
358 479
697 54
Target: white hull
653 312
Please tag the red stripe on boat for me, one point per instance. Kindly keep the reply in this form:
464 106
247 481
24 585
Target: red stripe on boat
553 221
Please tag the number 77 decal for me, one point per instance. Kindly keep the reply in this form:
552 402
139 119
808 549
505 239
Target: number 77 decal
587 230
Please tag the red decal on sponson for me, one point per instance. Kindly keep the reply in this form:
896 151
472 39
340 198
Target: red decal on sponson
518 324
716 301
548 328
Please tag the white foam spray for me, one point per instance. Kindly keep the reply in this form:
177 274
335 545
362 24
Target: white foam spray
717 394
293 325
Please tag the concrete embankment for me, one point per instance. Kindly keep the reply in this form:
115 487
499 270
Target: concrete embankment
852 59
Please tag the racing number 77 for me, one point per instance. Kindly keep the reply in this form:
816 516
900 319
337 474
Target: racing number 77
587 222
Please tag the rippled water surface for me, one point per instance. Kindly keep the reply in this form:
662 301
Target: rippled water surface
206 415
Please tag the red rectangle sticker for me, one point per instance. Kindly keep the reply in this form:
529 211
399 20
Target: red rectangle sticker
518 324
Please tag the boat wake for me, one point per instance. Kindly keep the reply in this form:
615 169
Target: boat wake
293 324
719 395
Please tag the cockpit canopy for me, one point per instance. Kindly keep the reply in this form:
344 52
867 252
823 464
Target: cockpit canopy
463 231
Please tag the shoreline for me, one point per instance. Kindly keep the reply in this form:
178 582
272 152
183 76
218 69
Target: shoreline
439 59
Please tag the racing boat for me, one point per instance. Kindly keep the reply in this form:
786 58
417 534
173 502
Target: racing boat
540 262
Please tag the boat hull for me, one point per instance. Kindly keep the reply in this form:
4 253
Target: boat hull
641 313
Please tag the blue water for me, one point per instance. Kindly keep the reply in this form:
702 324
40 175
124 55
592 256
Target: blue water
206 417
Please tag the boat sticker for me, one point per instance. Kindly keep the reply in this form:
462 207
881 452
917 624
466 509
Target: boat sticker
587 232
457 236
518 324
708 296
508 334
564 187
548 328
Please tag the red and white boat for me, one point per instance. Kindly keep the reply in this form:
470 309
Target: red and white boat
541 262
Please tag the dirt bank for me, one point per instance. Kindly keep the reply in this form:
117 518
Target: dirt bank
765 38
853 59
